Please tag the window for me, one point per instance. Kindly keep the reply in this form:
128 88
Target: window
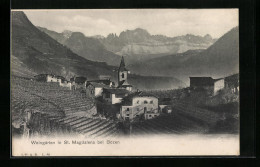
127 115
137 115
145 102
149 115
127 110
123 75
151 102
137 102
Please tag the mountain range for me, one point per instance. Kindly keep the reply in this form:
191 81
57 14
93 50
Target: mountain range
219 60
136 45
36 52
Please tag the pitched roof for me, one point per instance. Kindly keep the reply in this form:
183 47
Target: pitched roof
124 83
218 79
97 85
122 65
79 79
103 81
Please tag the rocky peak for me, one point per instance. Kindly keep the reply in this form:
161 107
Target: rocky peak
67 33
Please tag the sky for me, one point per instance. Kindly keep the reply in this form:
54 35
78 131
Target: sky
169 22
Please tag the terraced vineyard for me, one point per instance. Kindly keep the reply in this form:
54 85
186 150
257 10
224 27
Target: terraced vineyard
190 110
168 124
52 94
88 127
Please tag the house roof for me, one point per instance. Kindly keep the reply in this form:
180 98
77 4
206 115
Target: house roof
103 81
124 83
218 79
78 79
97 85
117 91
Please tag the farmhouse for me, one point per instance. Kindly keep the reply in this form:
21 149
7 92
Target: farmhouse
78 83
114 96
232 83
122 76
53 78
48 78
139 104
208 84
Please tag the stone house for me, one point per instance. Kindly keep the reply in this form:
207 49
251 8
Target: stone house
78 83
208 84
53 78
138 105
95 87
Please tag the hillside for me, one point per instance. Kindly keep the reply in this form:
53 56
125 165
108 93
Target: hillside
35 52
39 53
87 47
219 60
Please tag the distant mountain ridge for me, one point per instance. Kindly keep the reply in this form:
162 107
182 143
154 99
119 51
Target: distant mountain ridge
140 41
219 60
87 47
136 45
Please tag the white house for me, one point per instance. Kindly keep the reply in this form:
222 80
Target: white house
139 104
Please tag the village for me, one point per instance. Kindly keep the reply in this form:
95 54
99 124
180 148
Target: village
123 103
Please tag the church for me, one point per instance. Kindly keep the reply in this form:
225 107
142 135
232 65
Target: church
122 76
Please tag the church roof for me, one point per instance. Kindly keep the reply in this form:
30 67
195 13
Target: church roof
122 65
124 83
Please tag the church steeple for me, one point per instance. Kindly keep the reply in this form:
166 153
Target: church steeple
122 76
122 65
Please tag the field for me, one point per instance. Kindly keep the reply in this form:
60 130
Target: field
54 109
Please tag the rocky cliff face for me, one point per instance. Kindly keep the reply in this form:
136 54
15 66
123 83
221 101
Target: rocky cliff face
139 45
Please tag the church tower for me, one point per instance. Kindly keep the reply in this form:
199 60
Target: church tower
122 76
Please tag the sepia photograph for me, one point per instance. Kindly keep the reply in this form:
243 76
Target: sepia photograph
125 82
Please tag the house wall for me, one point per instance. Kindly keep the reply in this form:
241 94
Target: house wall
65 84
51 79
129 88
218 85
98 92
138 107
78 86
115 99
